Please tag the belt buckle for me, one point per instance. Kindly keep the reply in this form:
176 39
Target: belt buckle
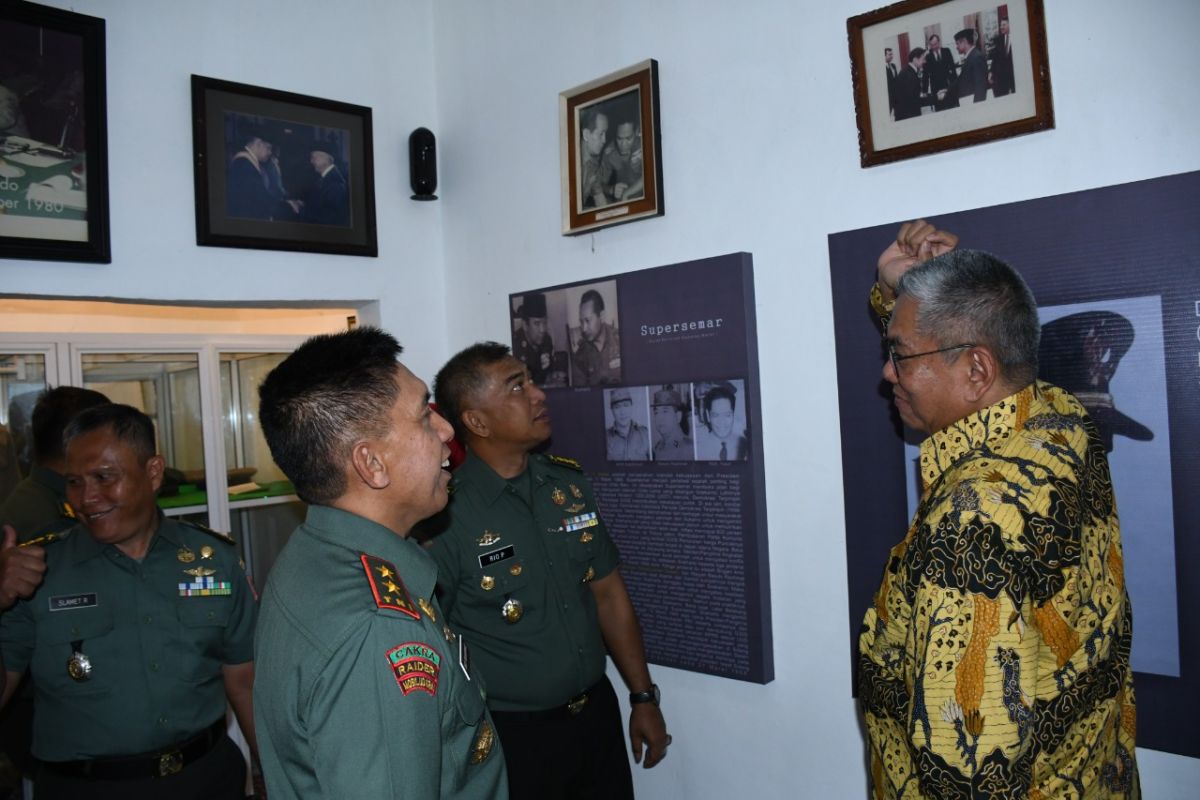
576 705
169 763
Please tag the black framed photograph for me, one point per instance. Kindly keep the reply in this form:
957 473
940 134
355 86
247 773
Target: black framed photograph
282 171
935 75
611 150
53 135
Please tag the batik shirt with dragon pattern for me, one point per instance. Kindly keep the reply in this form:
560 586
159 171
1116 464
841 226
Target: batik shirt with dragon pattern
995 661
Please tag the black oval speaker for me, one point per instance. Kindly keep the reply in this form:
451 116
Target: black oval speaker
422 164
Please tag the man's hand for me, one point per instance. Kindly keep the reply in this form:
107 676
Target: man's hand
648 728
916 242
21 569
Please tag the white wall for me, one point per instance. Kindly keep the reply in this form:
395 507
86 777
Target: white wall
760 154
375 53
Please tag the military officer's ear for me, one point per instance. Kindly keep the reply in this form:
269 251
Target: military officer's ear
155 468
475 423
369 466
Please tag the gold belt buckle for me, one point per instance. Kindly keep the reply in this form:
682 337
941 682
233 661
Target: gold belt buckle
169 763
576 705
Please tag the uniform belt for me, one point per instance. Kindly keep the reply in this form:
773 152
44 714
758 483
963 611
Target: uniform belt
571 709
147 765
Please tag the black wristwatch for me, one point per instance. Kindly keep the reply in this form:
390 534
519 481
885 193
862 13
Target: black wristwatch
651 695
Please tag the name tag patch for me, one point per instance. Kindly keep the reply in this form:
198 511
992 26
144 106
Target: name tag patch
70 602
496 556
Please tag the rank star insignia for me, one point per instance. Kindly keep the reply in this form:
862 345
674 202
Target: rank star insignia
391 592
558 496
575 492
488 538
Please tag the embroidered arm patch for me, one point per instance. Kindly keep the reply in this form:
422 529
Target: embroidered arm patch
416 666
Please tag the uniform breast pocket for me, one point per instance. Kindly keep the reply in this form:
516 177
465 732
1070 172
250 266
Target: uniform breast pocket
202 624
581 550
57 668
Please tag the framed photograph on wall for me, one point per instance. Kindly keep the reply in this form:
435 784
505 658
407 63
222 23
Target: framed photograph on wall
282 171
611 150
53 135
934 75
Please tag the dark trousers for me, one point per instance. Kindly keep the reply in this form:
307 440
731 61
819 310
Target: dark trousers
220 774
567 757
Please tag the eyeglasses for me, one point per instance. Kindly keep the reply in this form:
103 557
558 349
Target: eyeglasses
896 359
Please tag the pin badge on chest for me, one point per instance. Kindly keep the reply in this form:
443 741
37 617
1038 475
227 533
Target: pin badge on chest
512 610
79 667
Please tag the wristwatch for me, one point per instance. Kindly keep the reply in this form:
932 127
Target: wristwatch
651 695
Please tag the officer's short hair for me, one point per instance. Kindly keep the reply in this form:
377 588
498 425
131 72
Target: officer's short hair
593 297
131 427
968 296
723 389
966 33
589 117
915 53
462 377
55 408
334 390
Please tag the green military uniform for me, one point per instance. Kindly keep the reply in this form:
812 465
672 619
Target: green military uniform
38 505
155 633
362 690
534 543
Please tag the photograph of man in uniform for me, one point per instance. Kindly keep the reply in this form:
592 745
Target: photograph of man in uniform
721 434
672 420
627 436
596 351
533 344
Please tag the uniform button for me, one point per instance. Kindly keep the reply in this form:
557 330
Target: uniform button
154 666
147 619
162 720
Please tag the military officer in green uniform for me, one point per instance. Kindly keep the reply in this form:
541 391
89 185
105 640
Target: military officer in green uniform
38 504
529 574
626 439
364 690
136 630
671 442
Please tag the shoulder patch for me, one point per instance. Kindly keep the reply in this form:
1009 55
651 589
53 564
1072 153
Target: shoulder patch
224 537
562 461
386 587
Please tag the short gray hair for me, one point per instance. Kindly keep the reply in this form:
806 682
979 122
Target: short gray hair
972 296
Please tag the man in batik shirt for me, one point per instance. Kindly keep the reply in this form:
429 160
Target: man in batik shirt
995 661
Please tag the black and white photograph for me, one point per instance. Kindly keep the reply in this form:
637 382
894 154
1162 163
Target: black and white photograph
540 335
671 422
593 331
282 171
931 77
612 169
627 424
721 428
53 135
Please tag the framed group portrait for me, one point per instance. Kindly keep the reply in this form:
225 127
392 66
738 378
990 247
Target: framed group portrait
611 150
53 135
935 75
282 171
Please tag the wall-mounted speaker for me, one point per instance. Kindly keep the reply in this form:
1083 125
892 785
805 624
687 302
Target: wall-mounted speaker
422 164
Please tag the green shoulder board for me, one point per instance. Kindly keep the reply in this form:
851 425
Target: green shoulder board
224 537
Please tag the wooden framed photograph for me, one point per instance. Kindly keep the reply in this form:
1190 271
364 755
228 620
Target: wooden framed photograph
53 135
932 75
282 171
611 150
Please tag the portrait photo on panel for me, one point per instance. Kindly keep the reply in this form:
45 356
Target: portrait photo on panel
671 422
593 331
536 316
611 168
627 423
719 408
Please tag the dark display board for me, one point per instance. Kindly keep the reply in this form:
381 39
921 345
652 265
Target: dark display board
652 382
1116 274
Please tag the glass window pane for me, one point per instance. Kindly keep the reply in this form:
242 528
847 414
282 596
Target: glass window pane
22 379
